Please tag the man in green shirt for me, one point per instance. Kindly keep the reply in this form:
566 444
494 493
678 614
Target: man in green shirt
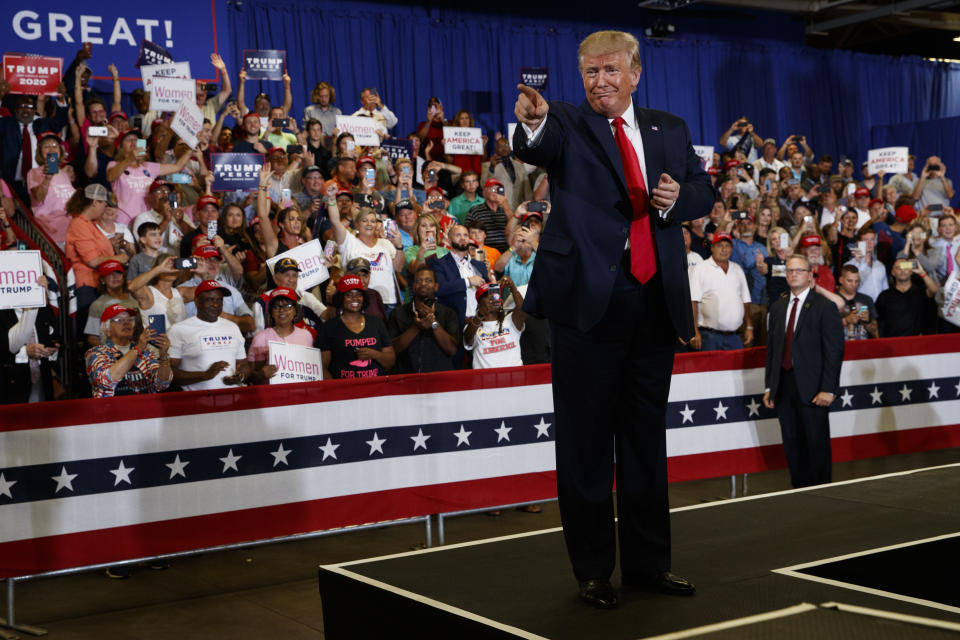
469 198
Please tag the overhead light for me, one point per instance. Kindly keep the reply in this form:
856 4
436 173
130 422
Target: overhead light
957 39
660 30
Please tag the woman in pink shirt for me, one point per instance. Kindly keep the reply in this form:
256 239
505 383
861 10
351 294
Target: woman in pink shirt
283 312
49 192
131 175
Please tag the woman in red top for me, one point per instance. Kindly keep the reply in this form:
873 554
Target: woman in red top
465 162
86 246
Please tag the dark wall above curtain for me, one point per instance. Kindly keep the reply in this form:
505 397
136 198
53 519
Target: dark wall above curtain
472 60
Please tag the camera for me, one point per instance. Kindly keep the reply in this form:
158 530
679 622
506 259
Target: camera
934 167
537 206
432 175
98 132
436 205
174 199
824 188
499 190
211 229
185 263
494 291
280 122
294 148
53 163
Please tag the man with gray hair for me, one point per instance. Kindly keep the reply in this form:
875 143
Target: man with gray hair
804 354
371 106
611 279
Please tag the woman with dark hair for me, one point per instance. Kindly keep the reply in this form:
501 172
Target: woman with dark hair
354 345
49 192
465 162
918 248
430 131
283 313
233 229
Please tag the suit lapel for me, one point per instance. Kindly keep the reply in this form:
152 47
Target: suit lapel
803 312
650 132
600 129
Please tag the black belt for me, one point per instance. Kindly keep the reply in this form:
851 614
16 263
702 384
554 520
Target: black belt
718 332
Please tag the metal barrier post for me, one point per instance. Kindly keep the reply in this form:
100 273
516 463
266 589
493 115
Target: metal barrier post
441 538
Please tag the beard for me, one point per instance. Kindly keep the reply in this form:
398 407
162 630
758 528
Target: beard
460 247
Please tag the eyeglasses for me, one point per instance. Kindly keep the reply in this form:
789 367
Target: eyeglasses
125 319
282 306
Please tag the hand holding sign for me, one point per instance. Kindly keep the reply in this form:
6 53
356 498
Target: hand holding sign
531 108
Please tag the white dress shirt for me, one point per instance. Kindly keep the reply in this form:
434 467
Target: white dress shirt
801 297
466 272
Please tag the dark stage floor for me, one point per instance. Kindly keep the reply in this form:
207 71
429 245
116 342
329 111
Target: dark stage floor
856 543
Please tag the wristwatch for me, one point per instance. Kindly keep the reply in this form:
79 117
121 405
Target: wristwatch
434 325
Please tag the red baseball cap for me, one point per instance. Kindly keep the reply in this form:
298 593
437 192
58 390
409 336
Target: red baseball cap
349 282
712 170
276 151
345 192
114 310
211 285
906 213
720 237
862 192
482 290
531 214
48 134
810 241
110 266
158 184
730 164
123 136
492 182
251 114
117 114
367 159
875 201
284 292
437 189
203 201
207 251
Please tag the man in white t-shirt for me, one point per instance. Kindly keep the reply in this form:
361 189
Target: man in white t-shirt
493 335
206 351
720 299
173 222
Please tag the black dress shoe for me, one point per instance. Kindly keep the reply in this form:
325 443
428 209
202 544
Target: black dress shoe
664 582
598 593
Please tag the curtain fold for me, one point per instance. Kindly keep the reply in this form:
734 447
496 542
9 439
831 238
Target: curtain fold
472 60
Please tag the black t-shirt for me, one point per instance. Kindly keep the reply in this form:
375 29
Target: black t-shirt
242 146
423 354
776 277
342 343
906 313
858 331
700 245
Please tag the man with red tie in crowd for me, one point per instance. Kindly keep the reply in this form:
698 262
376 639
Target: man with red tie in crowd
611 278
804 354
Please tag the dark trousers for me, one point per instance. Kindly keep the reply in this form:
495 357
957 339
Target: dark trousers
805 429
610 388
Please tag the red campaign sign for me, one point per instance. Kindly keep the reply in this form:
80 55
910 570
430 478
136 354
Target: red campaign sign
32 74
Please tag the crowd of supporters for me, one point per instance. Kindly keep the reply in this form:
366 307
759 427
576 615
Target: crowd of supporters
429 256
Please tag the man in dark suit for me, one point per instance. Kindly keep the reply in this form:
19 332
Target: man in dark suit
458 276
611 278
804 354
16 156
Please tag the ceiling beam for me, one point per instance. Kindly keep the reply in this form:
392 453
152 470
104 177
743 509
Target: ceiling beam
880 12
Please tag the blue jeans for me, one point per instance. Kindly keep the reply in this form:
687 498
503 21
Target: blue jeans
716 342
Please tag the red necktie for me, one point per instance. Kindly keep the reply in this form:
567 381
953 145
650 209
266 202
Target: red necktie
27 163
788 342
643 256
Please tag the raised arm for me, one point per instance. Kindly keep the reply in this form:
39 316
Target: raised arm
117 104
225 88
270 242
241 92
287 95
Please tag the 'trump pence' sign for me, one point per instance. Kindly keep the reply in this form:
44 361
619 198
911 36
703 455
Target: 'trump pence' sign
888 160
236 171
463 140
364 129
295 363
264 64
309 258
167 93
19 271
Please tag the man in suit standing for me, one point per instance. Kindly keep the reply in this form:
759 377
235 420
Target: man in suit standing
611 278
458 277
18 139
804 354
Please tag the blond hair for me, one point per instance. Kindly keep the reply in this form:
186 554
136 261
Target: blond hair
603 42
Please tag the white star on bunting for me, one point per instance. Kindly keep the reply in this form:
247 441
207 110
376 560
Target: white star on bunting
721 410
754 408
177 467
280 455
687 413
875 396
503 432
329 450
905 393
230 462
543 428
121 474
419 440
64 480
847 398
463 436
5 486
933 389
376 445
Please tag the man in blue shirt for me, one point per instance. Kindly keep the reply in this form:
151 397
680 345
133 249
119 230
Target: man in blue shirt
747 252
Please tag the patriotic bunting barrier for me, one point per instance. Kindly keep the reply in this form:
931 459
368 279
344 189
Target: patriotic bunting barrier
91 481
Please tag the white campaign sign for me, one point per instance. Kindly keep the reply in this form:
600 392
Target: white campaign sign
463 140
19 271
309 258
167 93
364 130
187 122
295 363
173 70
889 160
705 151
951 299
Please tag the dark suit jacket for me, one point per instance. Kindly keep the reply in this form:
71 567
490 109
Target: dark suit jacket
817 350
451 289
15 378
582 244
11 139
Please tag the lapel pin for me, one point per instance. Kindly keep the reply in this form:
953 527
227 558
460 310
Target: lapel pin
655 127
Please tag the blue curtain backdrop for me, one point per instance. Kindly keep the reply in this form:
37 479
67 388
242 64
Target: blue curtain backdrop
929 138
472 61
